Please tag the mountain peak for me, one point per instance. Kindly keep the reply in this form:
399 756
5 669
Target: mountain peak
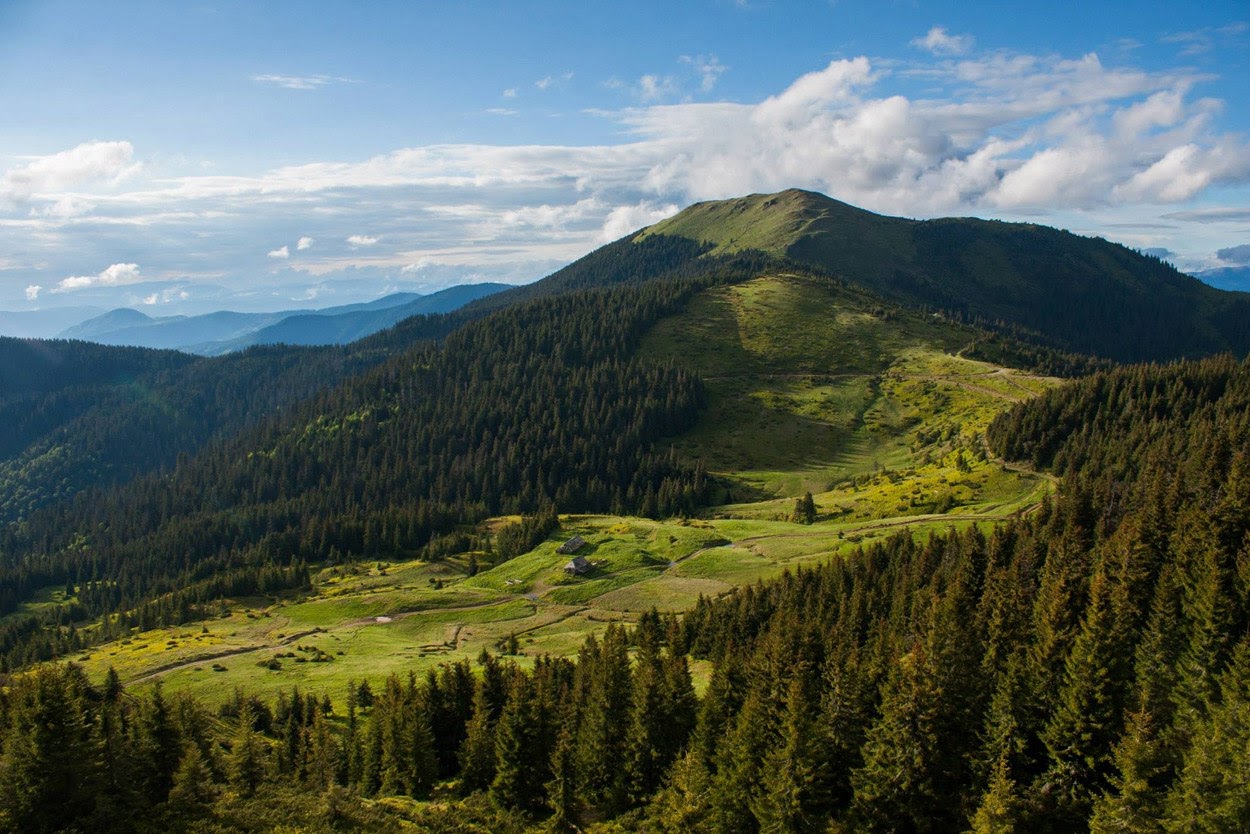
1083 294
768 222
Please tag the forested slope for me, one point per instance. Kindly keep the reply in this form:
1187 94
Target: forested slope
1085 668
1075 293
537 404
75 415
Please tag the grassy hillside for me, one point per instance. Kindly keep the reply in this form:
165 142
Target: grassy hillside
1077 293
812 385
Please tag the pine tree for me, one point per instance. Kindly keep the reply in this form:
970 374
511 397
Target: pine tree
791 800
247 765
1211 795
804 510
323 755
562 789
1086 720
605 684
49 766
896 788
193 788
684 804
1134 805
998 812
518 781
739 762
158 749
477 755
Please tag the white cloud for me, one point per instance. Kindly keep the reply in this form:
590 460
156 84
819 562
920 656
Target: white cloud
510 92
64 208
281 253
940 42
654 87
1200 41
623 220
547 82
151 299
114 276
1006 134
32 292
109 162
301 82
501 111
304 243
709 69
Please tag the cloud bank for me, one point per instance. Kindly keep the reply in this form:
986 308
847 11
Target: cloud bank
1000 134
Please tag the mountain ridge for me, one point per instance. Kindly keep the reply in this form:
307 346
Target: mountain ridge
1080 293
225 331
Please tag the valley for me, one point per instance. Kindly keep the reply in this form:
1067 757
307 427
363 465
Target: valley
838 490
812 387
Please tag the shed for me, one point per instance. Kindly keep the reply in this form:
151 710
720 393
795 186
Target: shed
577 566
572 545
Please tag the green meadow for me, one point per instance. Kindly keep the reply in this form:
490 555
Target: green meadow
812 387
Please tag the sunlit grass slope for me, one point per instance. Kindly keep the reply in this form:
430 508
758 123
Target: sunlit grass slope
813 386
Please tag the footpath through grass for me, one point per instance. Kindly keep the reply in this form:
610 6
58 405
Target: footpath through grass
812 388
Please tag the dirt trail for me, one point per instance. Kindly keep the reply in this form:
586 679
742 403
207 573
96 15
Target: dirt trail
199 660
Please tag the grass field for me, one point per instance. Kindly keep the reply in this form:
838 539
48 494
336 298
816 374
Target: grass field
811 388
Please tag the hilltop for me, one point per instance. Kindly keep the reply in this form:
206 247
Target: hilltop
1076 293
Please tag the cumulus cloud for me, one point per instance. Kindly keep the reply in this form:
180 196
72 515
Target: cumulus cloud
1237 255
623 220
510 92
114 276
32 292
940 42
304 243
1006 134
109 162
281 253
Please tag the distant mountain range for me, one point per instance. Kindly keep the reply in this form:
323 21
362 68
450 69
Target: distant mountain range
213 334
1228 278
43 324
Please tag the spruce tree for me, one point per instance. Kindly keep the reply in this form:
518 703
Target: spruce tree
1134 805
247 765
998 812
1086 721
477 755
896 788
518 781
193 788
792 799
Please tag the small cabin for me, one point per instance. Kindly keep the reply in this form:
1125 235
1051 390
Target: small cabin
577 566
572 545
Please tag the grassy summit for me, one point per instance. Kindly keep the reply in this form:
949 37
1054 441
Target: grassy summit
1078 293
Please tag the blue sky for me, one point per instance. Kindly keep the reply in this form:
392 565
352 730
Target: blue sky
180 157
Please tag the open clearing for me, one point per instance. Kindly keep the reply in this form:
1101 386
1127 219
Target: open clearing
873 411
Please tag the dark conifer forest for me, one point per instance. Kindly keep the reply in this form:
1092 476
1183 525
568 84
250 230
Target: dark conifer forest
1082 665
